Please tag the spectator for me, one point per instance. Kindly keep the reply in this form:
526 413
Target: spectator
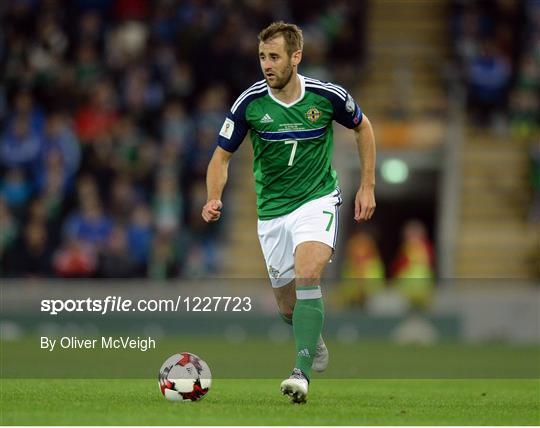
24 107
123 199
181 80
21 146
114 259
75 259
164 22
46 53
90 29
40 210
162 264
468 28
412 268
15 190
132 9
363 269
145 167
59 137
52 170
99 166
95 119
89 225
488 77
127 140
52 196
125 44
31 255
9 231
141 95
88 70
167 205
177 127
140 234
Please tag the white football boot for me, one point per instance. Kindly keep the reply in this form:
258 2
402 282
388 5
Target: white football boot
320 361
296 387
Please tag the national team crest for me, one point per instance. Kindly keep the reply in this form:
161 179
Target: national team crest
313 114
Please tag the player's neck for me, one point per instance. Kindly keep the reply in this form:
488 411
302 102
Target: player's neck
290 92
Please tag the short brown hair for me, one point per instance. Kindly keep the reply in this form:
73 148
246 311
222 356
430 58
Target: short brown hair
294 41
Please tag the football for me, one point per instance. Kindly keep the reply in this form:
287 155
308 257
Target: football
184 377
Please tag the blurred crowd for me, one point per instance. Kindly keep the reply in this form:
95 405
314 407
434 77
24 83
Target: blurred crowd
410 274
497 46
109 113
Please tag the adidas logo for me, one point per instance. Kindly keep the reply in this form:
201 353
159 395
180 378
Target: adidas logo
266 119
303 353
274 273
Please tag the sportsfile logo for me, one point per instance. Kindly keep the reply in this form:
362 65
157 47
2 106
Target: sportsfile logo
120 304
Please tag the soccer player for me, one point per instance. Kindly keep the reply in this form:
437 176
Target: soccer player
289 119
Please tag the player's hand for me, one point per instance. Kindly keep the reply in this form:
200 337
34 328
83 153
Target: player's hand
364 203
212 210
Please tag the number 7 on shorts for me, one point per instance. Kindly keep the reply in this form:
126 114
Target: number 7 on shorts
331 214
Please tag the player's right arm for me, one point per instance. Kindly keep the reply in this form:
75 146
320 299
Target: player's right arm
216 178
230 137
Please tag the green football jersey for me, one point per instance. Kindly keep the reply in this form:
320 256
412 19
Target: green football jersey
292 143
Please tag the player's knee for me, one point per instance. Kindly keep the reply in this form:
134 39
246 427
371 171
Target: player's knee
307 275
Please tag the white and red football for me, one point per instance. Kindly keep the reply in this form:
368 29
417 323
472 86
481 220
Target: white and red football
184 377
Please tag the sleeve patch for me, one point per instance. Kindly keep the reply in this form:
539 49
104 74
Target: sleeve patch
227 129
350 105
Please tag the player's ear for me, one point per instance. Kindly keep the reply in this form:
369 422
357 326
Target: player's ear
296 57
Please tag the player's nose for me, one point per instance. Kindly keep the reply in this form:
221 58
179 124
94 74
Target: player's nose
266 65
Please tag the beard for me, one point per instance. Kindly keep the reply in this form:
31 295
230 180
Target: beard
280 83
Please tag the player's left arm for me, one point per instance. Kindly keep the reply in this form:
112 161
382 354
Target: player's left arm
349 114
364 201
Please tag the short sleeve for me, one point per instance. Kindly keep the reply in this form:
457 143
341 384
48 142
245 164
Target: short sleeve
233 131
346 111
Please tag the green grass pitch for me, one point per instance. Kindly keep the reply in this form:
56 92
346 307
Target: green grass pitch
258 402
367 383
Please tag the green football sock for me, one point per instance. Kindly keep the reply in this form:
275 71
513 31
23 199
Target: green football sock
308 317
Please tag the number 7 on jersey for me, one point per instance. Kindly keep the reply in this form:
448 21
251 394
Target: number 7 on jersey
293 151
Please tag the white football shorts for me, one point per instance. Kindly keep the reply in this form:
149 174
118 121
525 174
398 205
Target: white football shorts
316 220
